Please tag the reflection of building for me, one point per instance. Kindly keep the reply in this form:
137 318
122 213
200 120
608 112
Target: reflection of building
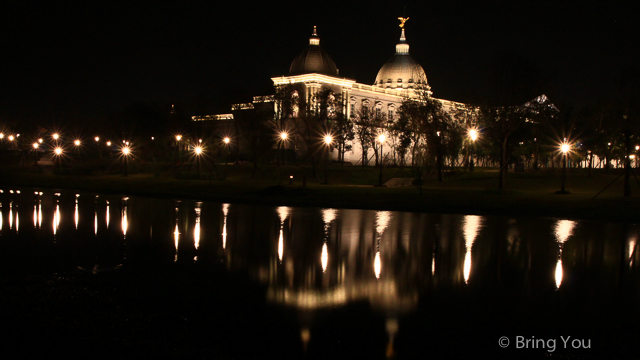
314 71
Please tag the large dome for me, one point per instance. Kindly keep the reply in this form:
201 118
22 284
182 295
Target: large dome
401 71
313 60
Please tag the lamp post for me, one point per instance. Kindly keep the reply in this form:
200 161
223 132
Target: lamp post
178 138
473 135
58 156
564 147
226 141
328 139
284 136
198 151
126 151
35 145
381 139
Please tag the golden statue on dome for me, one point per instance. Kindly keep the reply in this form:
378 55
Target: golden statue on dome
402 21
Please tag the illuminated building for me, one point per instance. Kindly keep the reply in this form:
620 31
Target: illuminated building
314 71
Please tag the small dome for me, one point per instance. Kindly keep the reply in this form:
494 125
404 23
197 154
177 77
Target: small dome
401 71
313 60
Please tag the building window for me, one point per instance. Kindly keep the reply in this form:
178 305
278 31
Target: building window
294 104
399 81
389 81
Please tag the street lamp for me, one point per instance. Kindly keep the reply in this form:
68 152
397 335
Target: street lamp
97 138
473 135
126 151
55 136
198 151
564 148
381 139
284 136
58 154
35 152
1 136
328 139
226 142
178 138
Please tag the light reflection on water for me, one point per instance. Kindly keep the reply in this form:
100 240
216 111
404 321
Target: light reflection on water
333 256
563 231
472 225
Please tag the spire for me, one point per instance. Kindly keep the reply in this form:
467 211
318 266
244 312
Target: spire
314 39
402 47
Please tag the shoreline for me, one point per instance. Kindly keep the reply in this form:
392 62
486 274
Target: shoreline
449 198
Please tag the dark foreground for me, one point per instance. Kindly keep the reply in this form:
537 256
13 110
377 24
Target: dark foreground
200 310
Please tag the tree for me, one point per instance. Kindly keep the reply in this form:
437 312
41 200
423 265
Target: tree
514 81
254 128
435 124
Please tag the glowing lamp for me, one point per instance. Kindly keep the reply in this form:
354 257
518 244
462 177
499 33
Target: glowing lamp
35 145
56 136
126 151
11 138
226 140
382 138
178 137
284 135
198 150
564 148
473 134
58 151
76 143
328 139
97 138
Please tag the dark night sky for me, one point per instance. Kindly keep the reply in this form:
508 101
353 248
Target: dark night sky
97 57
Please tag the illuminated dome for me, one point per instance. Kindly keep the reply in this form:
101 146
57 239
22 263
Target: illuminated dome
401 71
313 60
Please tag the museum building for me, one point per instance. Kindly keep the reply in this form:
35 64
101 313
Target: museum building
313 71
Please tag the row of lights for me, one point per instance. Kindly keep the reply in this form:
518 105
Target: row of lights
565 147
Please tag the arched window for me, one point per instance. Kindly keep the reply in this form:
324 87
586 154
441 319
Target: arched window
392 111
378 109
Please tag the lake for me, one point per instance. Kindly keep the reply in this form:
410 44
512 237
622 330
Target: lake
415 274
